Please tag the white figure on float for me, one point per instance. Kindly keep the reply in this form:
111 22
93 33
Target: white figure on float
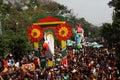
48 44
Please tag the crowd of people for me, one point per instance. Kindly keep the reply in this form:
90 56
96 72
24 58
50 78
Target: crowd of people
87 63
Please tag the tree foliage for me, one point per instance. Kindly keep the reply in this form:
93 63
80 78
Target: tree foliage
106 30
116 23
111 32
116 28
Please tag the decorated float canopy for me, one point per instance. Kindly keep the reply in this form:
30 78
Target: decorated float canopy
58 23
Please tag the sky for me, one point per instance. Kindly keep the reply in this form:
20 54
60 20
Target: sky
96 12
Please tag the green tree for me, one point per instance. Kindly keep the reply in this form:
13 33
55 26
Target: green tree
116 28
14 28
116 24
106 32
56 8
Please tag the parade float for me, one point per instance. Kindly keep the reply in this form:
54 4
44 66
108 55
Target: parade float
40 29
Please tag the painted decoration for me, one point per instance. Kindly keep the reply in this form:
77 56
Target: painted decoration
63 32
35 33
28 67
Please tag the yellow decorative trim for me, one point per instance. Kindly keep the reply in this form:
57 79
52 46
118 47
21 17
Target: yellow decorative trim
36 45
49 23
63 43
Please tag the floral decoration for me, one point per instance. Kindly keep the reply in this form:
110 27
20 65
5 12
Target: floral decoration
35 33
63 31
